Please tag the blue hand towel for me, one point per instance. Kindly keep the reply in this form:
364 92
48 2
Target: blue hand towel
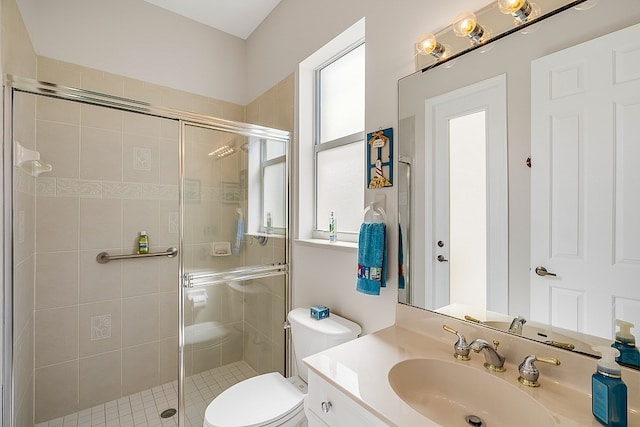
372 253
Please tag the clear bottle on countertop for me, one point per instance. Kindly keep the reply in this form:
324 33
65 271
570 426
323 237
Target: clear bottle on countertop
143 243
608 392
333 233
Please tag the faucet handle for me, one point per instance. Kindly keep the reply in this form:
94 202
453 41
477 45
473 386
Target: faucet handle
460 347
529 373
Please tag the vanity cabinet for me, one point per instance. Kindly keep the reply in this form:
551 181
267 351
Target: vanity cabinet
328 406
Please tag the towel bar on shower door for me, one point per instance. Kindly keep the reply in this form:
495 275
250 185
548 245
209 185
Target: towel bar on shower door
104 257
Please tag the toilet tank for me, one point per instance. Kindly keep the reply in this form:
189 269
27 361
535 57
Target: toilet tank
310 336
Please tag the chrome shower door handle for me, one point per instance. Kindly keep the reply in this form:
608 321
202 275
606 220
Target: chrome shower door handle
541 271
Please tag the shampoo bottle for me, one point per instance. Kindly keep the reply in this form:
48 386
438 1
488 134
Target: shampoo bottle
143 243
333 233
609 393
626 344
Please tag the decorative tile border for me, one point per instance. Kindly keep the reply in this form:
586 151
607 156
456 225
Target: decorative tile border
70 187
83 188
66 187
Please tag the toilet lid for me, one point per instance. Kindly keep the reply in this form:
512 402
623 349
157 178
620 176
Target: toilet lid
254 402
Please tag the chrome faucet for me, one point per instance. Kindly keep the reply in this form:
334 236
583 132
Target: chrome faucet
529 373
461 348
494 361
516 325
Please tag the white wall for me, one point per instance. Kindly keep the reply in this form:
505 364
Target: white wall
136 39
292 32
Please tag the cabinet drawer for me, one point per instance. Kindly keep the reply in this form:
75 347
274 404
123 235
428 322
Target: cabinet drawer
334 408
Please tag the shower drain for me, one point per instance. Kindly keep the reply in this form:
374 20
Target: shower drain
168 413
475 421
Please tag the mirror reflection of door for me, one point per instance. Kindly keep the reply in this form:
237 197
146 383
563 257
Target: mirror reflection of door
466 144
585 204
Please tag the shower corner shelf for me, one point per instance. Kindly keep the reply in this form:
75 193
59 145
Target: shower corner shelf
22 156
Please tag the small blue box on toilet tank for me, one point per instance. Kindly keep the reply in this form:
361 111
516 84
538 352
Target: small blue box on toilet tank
319 312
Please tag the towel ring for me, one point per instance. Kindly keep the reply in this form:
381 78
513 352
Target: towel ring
372 213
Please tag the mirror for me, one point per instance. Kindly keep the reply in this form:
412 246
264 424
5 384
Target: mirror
542 260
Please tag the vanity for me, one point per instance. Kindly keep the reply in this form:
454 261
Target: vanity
406 375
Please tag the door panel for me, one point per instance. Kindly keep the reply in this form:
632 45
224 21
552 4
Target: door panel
584 217
487 97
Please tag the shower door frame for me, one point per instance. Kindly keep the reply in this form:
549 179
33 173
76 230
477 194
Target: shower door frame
12 84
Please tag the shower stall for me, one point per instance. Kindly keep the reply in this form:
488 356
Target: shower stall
99 334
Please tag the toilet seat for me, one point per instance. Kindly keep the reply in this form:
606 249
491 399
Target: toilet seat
264 400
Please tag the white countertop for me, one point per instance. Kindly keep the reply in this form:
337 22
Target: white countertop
360 368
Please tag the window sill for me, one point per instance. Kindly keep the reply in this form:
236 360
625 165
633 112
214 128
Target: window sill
325 244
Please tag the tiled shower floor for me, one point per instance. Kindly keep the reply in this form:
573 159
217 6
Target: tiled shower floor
143 409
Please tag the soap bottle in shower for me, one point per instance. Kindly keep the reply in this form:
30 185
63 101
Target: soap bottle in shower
143 243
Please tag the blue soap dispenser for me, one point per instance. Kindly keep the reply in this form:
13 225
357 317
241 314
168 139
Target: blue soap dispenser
608 392
626 344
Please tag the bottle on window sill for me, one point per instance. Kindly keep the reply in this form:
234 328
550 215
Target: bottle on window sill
333 233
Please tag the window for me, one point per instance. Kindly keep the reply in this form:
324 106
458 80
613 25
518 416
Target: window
273 168
339 142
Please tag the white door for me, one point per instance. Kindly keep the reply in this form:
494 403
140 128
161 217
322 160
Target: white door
585 225
466 193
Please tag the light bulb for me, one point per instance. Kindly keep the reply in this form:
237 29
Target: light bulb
466 25
510 6
428 45
519 9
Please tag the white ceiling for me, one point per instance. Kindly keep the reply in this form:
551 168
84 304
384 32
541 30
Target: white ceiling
236 17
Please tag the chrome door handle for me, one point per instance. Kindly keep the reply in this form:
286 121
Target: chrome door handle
541 271
442 259
326 406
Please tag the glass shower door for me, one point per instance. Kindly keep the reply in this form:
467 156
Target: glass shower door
93 340
234 240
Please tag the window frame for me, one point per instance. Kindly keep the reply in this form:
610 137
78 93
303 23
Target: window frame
318 146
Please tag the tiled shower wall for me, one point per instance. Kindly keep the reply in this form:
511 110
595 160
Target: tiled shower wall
105 331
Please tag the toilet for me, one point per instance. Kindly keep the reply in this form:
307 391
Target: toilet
271 400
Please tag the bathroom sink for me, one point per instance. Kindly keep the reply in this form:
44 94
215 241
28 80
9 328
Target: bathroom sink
450 392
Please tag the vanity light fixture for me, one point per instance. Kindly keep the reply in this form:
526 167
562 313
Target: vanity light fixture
521 10
466 25
428 45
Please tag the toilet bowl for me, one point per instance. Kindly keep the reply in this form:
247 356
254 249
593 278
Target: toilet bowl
271 400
